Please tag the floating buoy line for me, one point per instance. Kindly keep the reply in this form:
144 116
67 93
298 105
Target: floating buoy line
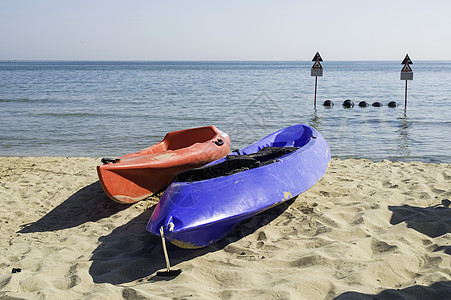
348 103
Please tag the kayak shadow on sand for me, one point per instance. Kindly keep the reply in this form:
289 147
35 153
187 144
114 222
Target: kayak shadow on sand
131 253
432 221
89 204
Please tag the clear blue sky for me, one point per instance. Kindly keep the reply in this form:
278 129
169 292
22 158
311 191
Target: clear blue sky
224 30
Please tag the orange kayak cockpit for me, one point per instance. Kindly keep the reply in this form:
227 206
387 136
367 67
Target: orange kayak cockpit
138 175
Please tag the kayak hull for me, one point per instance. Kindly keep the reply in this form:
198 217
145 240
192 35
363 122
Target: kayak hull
197 213
139 175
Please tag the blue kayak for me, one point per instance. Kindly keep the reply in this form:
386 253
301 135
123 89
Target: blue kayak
203 205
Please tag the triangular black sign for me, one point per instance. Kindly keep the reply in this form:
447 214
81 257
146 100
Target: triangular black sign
406 68
406 60
317 57
317 65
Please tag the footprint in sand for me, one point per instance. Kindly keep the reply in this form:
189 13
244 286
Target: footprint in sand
379 247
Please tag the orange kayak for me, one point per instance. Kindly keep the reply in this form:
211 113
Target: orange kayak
138 175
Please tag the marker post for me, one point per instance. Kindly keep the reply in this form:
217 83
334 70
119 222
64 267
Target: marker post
317 70
406 74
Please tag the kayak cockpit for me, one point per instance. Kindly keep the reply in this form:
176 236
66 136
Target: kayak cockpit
234 164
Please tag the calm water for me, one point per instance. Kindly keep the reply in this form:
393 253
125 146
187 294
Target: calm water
111 108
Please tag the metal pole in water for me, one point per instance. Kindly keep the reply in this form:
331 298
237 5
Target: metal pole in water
405 100
316 83
406 74
317 70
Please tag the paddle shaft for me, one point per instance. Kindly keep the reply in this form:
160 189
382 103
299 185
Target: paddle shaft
166 257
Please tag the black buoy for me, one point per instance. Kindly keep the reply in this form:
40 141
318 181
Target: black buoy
348 103
377 104
363 104
392 104
328 103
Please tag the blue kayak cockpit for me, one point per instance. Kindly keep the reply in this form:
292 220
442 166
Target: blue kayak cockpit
293 136
234 164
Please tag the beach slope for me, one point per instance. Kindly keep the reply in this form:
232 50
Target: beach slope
365 229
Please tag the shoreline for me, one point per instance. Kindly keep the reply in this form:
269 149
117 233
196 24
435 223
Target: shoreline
56 157
366 228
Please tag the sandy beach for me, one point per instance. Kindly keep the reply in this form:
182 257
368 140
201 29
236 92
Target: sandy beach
366 229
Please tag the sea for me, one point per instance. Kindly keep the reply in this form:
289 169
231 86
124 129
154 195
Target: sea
110 108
